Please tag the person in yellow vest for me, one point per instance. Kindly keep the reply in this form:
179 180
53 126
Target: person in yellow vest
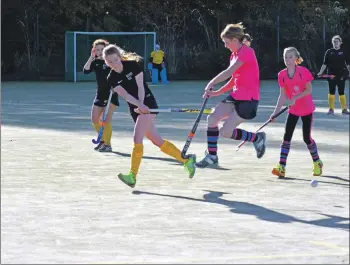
158 62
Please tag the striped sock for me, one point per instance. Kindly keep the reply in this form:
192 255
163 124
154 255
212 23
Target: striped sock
313 151
239 134
213 137
285 147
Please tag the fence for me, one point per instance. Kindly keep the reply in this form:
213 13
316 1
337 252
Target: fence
37 56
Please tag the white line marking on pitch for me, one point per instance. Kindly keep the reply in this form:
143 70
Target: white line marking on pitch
328 245
209 260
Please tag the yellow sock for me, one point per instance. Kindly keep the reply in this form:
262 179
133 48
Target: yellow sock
136 157
342 100
107 133
331 100
173 151
97 127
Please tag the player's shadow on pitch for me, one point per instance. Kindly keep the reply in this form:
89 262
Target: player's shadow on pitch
318 180
173 161
260 212
336 177
150 157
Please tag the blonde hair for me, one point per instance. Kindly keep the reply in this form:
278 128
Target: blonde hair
232 31
337 37
248 37
124 55
100 42
296 53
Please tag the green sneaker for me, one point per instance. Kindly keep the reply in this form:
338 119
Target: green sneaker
190 166
279 171
128 179
317 168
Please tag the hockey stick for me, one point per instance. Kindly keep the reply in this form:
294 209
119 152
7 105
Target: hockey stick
325 76
331 77
100 132
205 111
262 126
194 128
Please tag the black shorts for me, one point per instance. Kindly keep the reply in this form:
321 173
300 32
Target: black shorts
246 109
149 102
101 100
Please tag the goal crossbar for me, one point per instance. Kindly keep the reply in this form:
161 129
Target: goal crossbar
75 33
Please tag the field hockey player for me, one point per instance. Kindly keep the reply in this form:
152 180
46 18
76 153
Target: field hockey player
96 64
295 84
241 104
127 79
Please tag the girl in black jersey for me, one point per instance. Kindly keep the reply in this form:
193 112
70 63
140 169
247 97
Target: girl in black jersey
337 62
97 64
126 79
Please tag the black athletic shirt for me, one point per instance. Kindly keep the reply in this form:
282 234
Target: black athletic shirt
102 70
336 62
126 79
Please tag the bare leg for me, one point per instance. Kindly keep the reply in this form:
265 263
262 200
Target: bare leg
107 133
142 125
230 130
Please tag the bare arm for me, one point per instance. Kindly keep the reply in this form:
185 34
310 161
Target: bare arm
228 86
347 66
122 92
347 62
307 91
87 65
323 67
280 102
226 73
141 88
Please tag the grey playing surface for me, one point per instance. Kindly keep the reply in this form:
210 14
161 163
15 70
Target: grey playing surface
62 202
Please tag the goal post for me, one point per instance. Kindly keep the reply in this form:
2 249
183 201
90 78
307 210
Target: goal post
78 49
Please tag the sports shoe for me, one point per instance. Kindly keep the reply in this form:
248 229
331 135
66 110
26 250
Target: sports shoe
190 165
330 112
99 145
128 179
209 160
260 145
279 171
105 148
317 168
345 112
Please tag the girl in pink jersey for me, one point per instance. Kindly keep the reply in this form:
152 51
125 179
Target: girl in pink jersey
295 84
241 104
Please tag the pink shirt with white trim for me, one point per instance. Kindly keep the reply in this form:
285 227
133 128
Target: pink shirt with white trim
294 86
246 78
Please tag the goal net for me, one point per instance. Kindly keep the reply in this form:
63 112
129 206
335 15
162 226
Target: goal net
78 49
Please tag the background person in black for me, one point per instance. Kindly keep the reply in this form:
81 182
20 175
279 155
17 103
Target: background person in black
127 79
97 64
336 61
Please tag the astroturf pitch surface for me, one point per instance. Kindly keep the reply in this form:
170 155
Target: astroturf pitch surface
62 202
